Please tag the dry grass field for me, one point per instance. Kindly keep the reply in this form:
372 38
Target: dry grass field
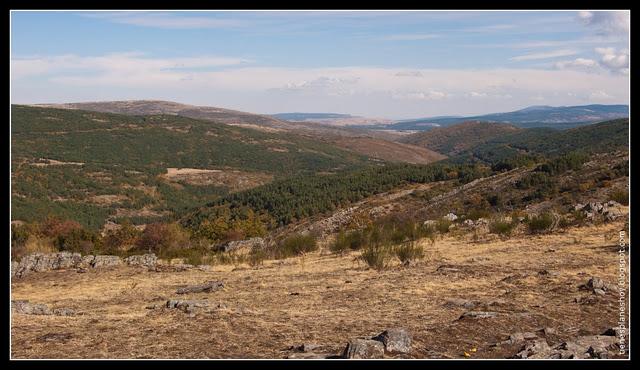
531 282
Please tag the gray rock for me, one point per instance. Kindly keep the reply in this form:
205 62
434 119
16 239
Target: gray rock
87 261
193 305
26 308
64 312
478 315
208 287
145 260
459 302
395 340
536 349
307 356
106 261
450 217
240 244
364 349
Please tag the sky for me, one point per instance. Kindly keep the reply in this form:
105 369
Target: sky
381 64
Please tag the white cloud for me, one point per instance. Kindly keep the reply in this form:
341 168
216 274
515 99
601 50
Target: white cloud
545 55
166 20
420 95
617 61
232 83
119 65
579 63
607 22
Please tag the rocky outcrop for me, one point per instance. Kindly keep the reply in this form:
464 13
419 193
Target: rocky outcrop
608 211
26 308
364 349
41 262
584 347
395 340
144 260
242 244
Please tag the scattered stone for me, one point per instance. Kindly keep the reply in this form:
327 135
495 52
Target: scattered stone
145 260
192 306
536 349
208 287
478 315
81 270
26 308
364 349
64 312
395 340
55 337
598 286
459 302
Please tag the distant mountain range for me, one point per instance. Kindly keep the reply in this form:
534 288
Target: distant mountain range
535 116
309 116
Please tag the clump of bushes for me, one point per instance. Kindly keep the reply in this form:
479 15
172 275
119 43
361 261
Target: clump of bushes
348 241
443 226
502 226
540 223
376 256
409 252
163 239
620 196
296 245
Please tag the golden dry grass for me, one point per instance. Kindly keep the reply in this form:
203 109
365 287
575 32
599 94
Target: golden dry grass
338 299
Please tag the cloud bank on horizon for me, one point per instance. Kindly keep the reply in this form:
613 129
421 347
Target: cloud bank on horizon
379 64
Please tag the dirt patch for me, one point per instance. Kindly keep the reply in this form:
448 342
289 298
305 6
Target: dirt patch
107 199
44 162
235 180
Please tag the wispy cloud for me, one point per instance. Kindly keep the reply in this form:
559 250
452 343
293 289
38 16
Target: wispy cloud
167 20
410 37
544 55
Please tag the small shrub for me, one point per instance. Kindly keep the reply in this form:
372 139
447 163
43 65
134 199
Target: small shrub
501 226
409 252
376 257
620 196
296 245
540 223
256 257
348 240
162 239
443 226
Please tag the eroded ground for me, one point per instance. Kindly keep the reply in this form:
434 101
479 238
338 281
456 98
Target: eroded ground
530 282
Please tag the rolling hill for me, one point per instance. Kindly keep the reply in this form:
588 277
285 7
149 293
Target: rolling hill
155 107
535 116
459 137
599 137
91 166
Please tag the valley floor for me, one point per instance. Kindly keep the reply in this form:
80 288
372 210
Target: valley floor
531 282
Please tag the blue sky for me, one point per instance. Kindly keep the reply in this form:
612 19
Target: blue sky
377 64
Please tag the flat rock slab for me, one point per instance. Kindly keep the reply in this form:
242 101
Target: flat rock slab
364 348
208 287
395 340
478 315
26 308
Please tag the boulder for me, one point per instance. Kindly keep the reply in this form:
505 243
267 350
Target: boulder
536 349
364 349
395 340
